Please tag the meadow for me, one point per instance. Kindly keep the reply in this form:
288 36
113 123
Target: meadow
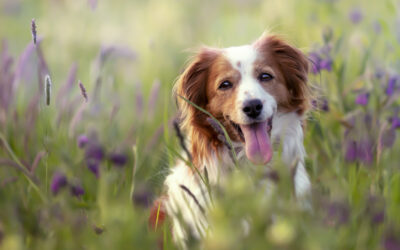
87 135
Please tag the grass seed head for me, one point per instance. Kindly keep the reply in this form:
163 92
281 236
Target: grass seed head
83 90
47 89
33 29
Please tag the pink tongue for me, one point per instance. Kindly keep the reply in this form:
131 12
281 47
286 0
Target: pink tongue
258 145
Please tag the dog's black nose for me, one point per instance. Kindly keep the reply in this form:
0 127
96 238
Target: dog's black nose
252 108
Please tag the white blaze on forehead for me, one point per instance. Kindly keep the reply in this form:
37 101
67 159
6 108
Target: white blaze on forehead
242 59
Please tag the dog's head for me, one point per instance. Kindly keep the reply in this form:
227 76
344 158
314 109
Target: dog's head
243 87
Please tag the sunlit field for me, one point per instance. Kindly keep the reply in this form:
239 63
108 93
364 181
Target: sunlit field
87 135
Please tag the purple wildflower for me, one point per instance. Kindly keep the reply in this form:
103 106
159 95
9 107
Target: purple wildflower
321 104
356 15
388 137
33 29
314 103
82 141
391 242
321 59
58 181
395 122
391 85
325 105
362 99
351 151
94 152
315 60
365 151
378 217
143 197
83 91
77 190
326 64
325 50
118 159
375 209
337 213
94 155
94 167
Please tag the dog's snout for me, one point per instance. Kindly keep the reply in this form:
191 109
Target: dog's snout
252 108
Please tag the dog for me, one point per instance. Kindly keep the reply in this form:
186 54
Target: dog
259 93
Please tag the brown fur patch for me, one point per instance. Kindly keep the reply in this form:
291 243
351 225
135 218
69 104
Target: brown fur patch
293 66
222 103
157 210
192 85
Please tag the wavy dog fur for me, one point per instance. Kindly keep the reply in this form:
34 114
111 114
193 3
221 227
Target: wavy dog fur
270 73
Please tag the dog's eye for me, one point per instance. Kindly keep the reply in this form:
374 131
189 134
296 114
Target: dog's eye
265 77
225 85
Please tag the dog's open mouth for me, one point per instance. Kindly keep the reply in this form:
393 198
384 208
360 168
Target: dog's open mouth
240 132
256 137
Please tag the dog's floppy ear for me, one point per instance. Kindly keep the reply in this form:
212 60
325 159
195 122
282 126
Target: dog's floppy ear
294 66
192 85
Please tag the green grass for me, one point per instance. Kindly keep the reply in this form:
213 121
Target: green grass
355 202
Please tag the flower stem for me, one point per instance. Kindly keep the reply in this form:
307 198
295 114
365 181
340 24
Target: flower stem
27 176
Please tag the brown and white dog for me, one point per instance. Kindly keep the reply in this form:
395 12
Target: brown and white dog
259 93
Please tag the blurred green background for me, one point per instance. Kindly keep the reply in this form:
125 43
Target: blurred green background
128 55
